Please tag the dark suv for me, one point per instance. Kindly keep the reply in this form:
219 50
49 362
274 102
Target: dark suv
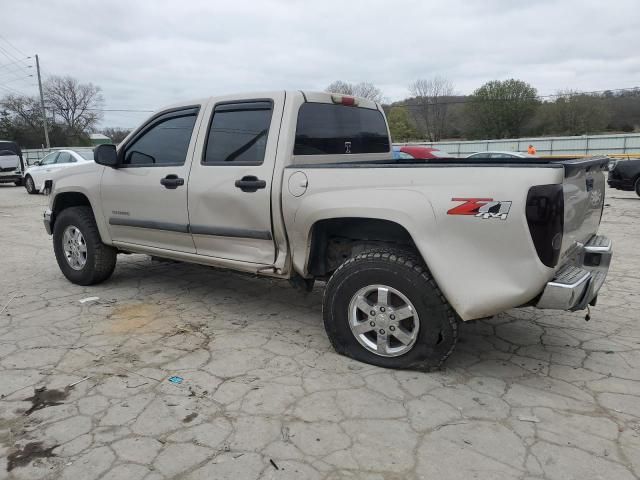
11 163
625 174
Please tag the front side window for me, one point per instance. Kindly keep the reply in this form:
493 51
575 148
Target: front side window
238 134
165 143
328 129
49 159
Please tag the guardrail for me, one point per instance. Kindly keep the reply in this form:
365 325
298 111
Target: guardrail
611 145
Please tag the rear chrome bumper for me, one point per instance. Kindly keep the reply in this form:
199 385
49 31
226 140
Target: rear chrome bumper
576 285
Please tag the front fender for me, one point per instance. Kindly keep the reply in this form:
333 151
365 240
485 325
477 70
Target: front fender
84 180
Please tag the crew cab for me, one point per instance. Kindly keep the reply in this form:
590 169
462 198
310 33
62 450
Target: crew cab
303 186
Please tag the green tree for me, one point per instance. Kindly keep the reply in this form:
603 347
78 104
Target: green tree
573 113
499 109
400 125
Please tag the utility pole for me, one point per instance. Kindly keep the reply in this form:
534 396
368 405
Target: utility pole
44 113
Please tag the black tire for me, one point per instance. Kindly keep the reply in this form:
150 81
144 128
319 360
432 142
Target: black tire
30 185
405 272
100 258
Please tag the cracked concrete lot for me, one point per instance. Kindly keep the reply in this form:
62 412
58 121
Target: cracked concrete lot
527 395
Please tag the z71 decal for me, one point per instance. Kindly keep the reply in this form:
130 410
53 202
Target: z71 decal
481 208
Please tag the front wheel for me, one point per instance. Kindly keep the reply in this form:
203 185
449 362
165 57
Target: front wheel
383 307
30 185
81 255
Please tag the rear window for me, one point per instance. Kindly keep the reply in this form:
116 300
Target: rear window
9 148
328 129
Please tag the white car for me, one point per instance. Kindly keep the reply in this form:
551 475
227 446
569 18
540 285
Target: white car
500 155
36 176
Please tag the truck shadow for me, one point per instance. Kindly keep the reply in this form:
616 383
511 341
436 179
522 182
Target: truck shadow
517 343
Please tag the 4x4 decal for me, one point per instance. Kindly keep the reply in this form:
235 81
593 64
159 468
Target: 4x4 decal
481 208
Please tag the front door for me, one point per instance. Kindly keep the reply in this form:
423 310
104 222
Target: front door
144 200
230 185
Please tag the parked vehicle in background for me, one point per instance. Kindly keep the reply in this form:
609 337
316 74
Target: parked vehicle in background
500 155
302 186
625 174
37 175
11 163
417 152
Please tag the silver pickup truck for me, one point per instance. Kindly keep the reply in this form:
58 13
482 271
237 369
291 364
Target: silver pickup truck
303 186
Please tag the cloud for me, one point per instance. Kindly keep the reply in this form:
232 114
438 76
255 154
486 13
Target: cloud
148 53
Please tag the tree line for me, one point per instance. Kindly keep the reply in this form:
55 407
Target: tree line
73 111
499 109
432 111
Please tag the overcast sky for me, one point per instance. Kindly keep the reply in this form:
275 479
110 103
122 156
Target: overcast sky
147 53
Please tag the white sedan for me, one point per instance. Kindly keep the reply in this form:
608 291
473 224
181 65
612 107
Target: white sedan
36 176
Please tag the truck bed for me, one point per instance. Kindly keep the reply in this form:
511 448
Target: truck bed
477 262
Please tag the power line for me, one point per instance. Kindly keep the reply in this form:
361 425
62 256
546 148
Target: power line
13 46
11 56
13 91
17 68
14 63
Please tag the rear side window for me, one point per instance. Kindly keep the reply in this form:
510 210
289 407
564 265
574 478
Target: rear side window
328 129
165 143
64 157
238 134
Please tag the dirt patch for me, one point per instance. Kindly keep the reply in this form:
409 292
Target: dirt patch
129 318
42 397
23 455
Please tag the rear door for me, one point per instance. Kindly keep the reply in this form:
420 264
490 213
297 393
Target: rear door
230 184
144 200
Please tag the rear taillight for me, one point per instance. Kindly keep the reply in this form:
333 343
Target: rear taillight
545 217
344 100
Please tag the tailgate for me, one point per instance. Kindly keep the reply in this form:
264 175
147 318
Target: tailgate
584 187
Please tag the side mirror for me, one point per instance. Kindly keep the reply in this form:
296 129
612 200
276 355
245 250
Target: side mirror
37 163
106 155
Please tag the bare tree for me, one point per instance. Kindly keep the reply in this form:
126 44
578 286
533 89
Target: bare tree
431 102
363 89
77 104
24 110
116 134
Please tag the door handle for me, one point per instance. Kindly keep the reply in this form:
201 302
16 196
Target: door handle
172 181
250 183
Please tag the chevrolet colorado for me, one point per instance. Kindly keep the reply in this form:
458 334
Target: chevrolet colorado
303 186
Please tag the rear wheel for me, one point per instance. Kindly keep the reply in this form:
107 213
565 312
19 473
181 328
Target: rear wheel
383 307
81 255
30 185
